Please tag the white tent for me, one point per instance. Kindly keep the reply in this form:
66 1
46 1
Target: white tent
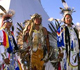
24 8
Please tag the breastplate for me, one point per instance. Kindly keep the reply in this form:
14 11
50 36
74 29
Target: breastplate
37 40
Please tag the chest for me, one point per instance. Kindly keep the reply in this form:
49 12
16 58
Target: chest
38 36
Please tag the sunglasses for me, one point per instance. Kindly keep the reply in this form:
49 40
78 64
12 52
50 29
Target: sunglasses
68 18
8 20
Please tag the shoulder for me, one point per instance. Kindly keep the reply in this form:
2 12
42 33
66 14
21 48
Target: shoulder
3 31
61 29
45 31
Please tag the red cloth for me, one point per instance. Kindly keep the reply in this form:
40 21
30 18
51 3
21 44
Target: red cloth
12 33
4 39
59 66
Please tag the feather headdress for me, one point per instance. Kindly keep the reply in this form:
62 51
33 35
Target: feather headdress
5 14
36 15
66 9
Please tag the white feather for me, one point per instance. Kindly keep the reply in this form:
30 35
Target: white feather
65 5
51 19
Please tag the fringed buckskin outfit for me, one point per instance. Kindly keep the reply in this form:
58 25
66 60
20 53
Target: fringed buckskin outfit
38 42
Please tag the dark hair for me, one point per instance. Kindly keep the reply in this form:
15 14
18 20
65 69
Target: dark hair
5 18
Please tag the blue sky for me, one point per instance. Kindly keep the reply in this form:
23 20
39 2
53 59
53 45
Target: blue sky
52 8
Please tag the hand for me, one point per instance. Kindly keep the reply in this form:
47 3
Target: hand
27 33
7 61
60 55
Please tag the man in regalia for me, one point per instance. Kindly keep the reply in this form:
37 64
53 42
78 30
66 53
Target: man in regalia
68 42
12 55
38 39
